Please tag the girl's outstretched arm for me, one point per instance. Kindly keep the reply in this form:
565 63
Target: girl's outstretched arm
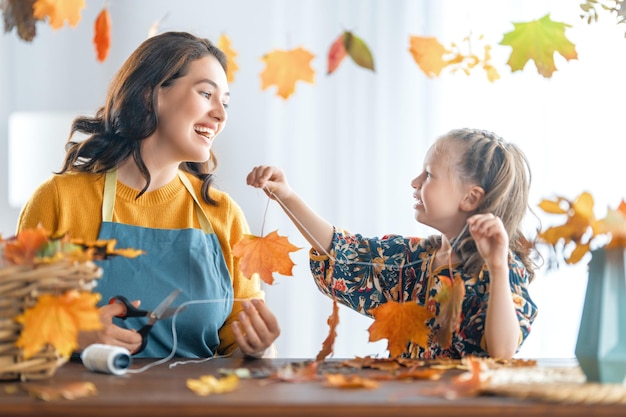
502 328
315 229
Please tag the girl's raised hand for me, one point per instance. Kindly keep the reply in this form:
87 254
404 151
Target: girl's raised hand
492 240
271 179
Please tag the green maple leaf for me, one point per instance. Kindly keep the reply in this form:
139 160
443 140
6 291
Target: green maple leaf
538 40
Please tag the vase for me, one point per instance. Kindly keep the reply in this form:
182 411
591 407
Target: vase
601 344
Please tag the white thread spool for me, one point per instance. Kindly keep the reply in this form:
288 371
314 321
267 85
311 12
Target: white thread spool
106 358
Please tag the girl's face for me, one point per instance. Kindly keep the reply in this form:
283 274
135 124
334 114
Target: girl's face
192 112
439 191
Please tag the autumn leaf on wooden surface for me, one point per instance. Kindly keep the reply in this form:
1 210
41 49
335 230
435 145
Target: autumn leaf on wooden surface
538 40
284 68
58 11
67 391
428 53
265 255
102 34
450 299
349 381
56 320
329 342
295 373
467 384
225 45
209 384
400 323
351 45
19 14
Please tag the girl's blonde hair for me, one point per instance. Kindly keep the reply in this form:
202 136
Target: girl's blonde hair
503 172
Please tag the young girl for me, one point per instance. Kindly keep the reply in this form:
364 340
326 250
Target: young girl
473 189
143 176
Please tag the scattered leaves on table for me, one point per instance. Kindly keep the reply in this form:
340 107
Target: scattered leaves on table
68 391
303 372
102 34
329 342
538 40
265 255
209 384
349 381
400 323
285 68
58 11
56 320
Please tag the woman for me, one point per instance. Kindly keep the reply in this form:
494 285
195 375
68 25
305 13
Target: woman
143 176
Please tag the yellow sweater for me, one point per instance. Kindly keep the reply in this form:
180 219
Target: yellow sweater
72 203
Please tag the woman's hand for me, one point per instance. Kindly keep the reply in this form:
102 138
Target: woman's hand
256 328
110 334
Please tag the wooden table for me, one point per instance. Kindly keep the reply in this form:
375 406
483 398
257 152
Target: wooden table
162 391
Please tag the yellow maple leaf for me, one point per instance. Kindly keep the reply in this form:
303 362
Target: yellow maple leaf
428 54
285 68
538 40
58 11
225 45
56 320
400 323
208 384
264 256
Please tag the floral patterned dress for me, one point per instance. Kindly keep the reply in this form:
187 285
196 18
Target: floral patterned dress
363 273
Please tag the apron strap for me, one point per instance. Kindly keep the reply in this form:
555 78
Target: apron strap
108 200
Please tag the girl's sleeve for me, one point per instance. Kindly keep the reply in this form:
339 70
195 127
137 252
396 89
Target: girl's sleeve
41 209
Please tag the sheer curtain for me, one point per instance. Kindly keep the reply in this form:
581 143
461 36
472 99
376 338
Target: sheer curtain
351 143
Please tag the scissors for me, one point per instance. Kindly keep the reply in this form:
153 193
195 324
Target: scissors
162 311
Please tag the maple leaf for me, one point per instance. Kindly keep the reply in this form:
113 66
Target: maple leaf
450 300
538 40
23 248
208 384
225 45
19 14
102 34
285 68
56 320
400 323
265 255
428 54
327 345
67 390
58 11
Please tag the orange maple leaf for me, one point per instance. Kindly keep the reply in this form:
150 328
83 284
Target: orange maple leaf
400 323
327 345
56 320
265 255
450 300
226 46
102 34
428 54
58 11
285 68
22 250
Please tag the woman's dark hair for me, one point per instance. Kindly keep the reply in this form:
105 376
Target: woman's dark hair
129 113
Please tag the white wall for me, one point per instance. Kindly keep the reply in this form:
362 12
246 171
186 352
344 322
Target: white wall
352 142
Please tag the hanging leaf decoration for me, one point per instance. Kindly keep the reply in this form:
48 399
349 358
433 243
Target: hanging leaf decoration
58 11
284 68
428 54
538 40
225 45
348 44
102 34
19 14
264 256
400 323
56 320
336 54
450 300
329 342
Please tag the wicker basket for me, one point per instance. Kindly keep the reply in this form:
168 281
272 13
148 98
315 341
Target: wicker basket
20 287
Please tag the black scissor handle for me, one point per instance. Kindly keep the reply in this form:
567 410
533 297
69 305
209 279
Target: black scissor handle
131 310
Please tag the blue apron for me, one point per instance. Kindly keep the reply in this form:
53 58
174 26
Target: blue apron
187 259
